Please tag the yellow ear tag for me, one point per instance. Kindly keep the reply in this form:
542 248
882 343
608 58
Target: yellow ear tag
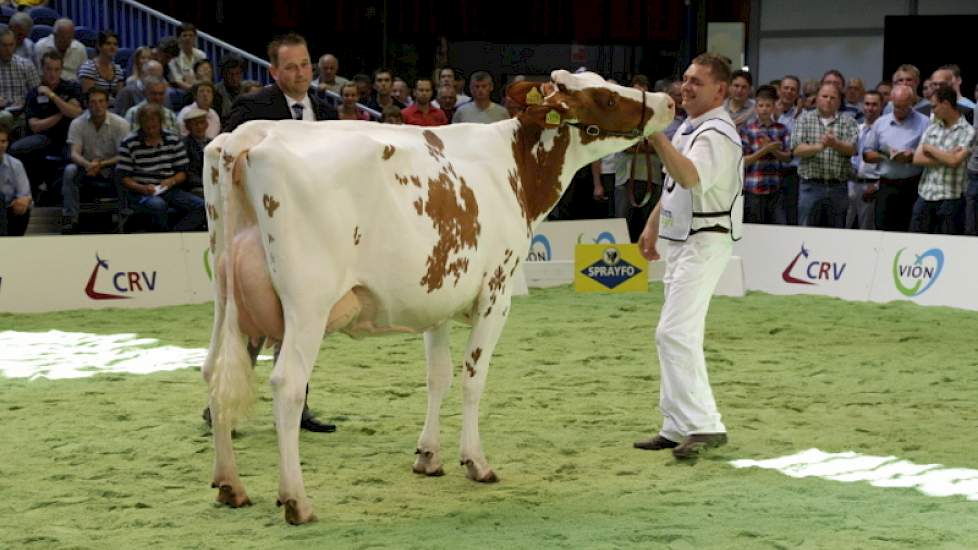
553 117
533 97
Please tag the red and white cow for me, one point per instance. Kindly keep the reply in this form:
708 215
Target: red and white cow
364 228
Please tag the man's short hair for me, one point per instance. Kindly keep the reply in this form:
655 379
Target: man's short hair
767 92
883 83
391 110
718 64
289 39
833 72
22 19
231 61
149 110
424 79
202 84
908 68
641 80
945 93
381 70
875 93
361 78
349 84
480 76
185 27
5 31
53 54
955 70
96 91
740 73
169 46
792 77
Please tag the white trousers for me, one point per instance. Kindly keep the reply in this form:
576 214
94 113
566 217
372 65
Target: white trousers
693 269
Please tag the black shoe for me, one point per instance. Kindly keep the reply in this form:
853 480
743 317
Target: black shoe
697 443
69 228
206 415
310 423
656 443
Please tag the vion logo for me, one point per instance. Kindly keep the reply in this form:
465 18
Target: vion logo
922 272
123 281
811 270
539 249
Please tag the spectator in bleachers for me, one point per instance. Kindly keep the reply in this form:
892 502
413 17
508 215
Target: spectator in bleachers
152 165
21 24
391 115
291 97
767 146
421 112
738 104
790 108
909 75
447 100
137 61
93 140
182 65
17 77
809 92
50 108
15 191
102 71
855 90
204 72
196 122
825 140
950 76
166 50
364 87
946 145
328 79
203 93
348 109
835 77
885 87
401 91
891 143
135 92
232 70
62 39
481 109
155 91
865 183
383 88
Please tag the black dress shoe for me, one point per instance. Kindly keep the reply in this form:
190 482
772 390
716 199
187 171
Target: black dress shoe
311 424
696 443
656 443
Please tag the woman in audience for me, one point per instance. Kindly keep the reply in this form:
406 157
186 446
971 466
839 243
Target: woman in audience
140 56
102 71
348 109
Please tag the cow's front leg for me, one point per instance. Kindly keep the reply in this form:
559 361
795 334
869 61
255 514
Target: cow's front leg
436 344
300 346
475 368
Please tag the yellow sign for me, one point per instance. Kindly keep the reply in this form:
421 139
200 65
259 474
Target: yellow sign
610 268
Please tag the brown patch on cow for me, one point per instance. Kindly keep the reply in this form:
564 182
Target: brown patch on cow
509 254
457 268
403 180
476 354
451 170
488 311
213 242
212 212
514 183
537 187
270 204
457 226
271 239
356 235
469 368
419 206
416 181
436 147
498 280
228 159
215 175
388 151
515 265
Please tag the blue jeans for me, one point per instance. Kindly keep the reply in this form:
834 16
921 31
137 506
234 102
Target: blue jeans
189 206
822 204
971 205
937 217
766 209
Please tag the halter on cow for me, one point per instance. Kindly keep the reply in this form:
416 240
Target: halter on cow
362 228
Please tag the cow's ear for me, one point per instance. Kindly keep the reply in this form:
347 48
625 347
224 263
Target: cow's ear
541 104
525 93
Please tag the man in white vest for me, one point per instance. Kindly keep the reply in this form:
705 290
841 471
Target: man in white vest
699 216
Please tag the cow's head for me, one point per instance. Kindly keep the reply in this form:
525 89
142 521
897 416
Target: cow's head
598 109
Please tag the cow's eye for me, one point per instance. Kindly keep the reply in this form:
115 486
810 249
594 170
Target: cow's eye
611 101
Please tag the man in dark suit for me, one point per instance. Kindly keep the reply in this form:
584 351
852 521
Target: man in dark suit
290 97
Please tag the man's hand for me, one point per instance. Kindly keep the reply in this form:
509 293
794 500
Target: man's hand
870 192
149 189
598 193
20 205
829 140
928 150
646 242
94 168
904 156
44 90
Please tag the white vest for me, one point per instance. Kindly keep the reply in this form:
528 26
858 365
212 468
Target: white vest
679 206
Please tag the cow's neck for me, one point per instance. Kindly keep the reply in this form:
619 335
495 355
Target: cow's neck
546 161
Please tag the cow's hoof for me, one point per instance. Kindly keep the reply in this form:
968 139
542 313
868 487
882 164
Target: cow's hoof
235 498
482 475
428 464
296 513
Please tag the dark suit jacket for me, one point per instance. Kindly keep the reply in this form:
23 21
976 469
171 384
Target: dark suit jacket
269 103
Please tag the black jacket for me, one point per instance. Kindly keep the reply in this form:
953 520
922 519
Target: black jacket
269 103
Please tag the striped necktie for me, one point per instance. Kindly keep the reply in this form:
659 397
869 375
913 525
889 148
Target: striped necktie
297 111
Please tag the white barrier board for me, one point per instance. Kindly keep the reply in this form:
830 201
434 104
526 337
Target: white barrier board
555 241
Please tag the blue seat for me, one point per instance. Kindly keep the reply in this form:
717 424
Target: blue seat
40 31
43 15
122 58
92 52
6 12
88 37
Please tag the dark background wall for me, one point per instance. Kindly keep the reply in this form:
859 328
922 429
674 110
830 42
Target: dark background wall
931 41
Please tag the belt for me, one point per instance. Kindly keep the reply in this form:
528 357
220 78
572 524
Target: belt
912 179
825 181
711 229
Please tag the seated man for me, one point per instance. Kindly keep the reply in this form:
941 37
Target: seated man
19 77
62 40
135 92
15 192
94 138
195 121
155 90
152 164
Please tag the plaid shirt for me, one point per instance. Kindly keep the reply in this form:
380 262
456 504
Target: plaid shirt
763 176
17 77
942 182
828 163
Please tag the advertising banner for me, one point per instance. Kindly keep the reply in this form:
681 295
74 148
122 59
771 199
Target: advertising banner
555 241
610 268
928 270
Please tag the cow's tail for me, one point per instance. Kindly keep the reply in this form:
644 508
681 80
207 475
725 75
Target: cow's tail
232 385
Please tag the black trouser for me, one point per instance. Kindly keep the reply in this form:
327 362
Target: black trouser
943 217
789 194
894 203
12 225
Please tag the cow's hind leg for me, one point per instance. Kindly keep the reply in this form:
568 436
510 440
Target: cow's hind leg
475 368
300 346
436 342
